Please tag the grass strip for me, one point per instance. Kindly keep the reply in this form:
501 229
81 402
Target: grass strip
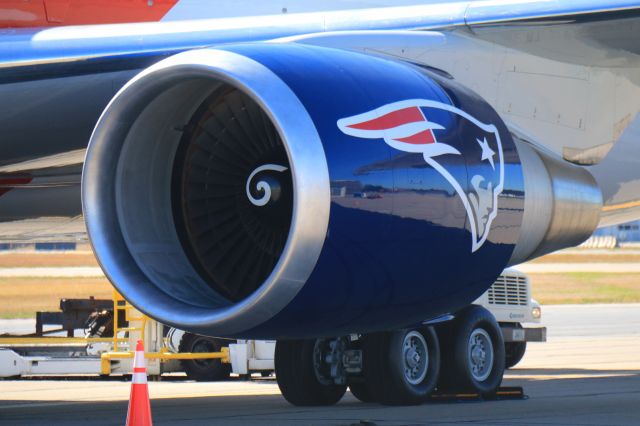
22 297
585 287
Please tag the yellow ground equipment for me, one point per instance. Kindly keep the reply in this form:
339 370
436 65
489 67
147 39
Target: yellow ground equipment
104 355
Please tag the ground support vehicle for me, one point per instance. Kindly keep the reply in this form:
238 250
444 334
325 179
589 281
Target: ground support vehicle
107 348
518 314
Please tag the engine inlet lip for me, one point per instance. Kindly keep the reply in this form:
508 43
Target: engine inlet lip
309 171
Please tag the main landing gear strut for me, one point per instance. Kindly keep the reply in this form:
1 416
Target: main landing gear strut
401 367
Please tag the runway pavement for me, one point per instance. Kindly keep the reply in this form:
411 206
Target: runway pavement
588 373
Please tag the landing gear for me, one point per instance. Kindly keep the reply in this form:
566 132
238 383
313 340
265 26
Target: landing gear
360 390
401 367
473 353
304 372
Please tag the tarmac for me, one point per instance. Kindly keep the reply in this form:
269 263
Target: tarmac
588 373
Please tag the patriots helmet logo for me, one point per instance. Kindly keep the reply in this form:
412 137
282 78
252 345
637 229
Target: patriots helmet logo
425 126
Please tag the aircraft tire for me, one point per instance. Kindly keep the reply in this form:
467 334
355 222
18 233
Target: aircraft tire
473 353
297 378
361 392
401 367
203 370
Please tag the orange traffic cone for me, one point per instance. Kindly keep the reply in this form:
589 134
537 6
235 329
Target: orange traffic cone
139 413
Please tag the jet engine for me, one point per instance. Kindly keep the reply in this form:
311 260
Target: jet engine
282 190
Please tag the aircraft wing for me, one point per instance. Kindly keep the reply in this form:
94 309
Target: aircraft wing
23 46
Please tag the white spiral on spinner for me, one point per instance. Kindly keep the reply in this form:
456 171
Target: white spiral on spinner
262 185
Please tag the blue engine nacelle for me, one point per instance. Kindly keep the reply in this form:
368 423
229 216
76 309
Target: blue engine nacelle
279 190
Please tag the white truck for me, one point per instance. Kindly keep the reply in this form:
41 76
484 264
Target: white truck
519 315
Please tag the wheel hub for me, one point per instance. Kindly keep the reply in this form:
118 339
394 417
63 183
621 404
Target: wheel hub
480 353
328 356
412 358
416 357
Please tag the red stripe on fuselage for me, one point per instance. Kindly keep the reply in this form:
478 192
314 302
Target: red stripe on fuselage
42 13
391 120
